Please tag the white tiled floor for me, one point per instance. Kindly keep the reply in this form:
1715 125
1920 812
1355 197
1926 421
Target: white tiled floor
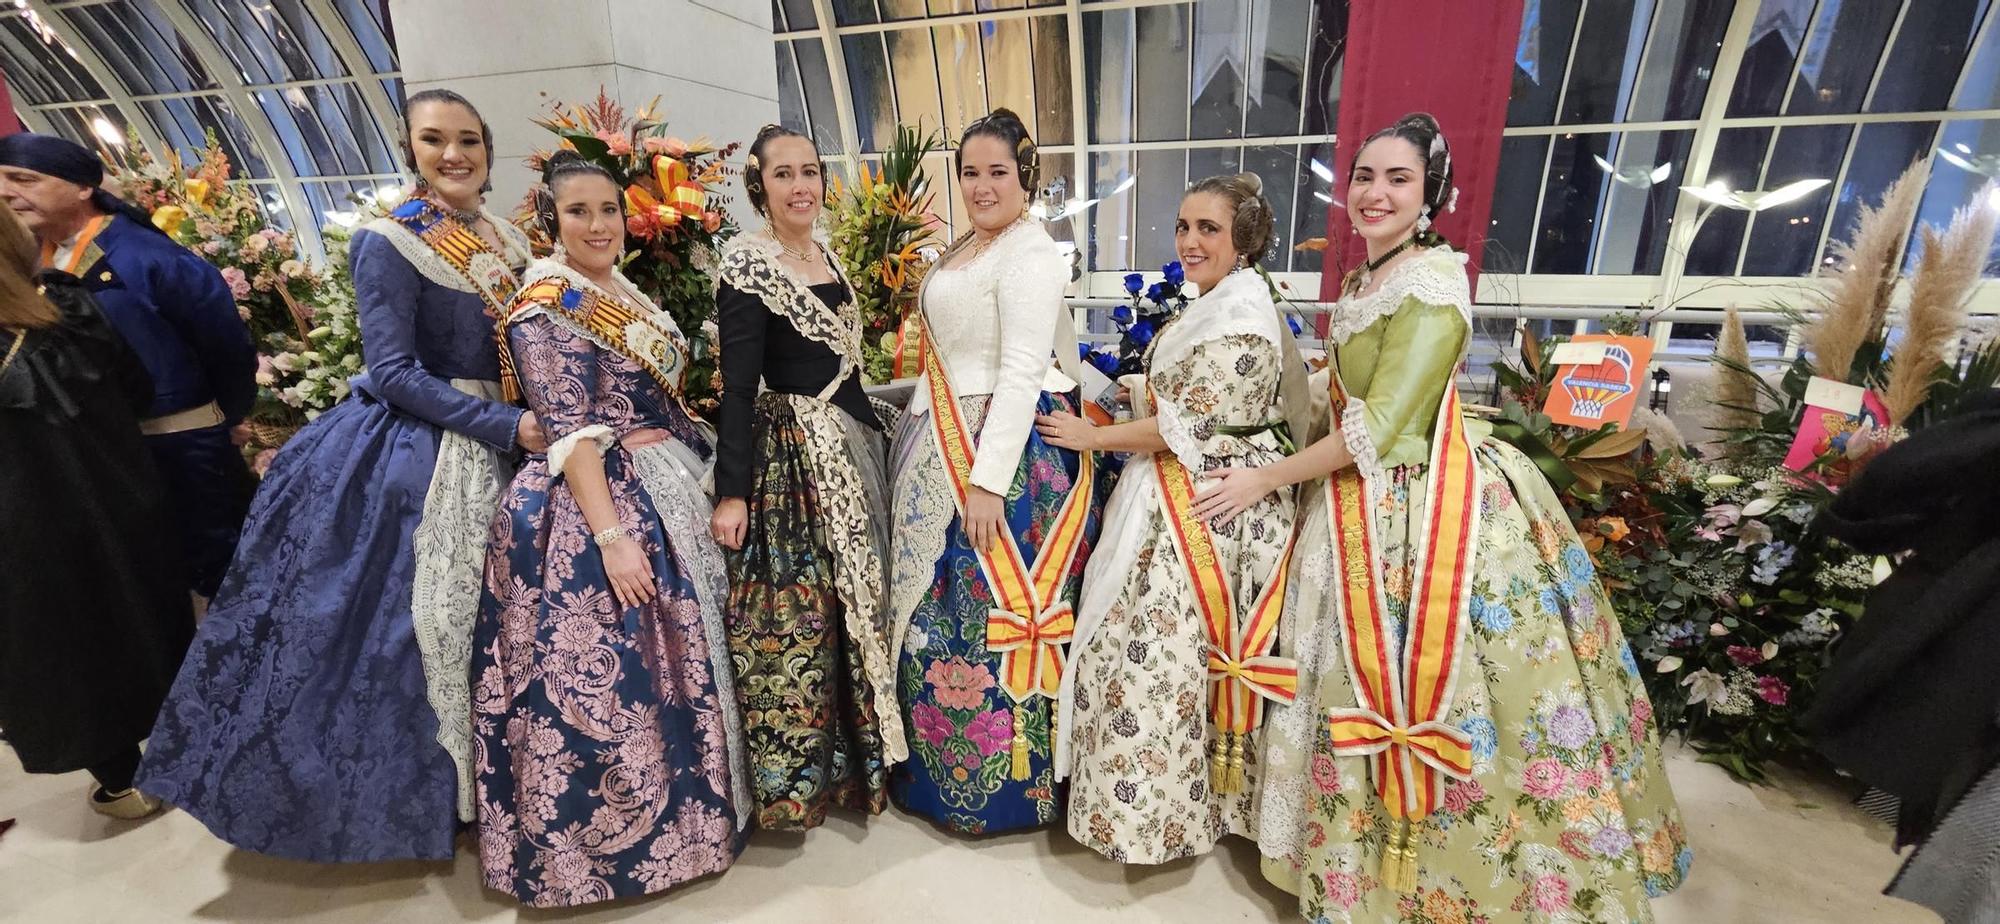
1787 854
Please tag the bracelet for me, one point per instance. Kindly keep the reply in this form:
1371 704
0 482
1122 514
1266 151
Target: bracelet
606 538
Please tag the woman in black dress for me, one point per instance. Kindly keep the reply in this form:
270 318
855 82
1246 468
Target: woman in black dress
93 622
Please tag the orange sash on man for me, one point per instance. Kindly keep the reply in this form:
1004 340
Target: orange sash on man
1032 621
1401 722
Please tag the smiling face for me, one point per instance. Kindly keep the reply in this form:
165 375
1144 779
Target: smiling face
51 209
794 189
450 151
590 222
989 180
1204 237
1385 193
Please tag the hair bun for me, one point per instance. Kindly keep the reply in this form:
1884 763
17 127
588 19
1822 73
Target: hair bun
558 159
1006 116
1252 183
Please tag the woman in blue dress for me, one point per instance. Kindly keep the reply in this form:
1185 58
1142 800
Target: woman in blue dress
324 712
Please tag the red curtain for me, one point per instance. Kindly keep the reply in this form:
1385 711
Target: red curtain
9 123
1450 58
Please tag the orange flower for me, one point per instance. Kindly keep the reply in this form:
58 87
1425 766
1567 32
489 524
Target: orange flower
711 221
1615 528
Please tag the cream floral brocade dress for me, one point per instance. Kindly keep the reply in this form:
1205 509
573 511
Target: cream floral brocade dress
1567 816
1137 713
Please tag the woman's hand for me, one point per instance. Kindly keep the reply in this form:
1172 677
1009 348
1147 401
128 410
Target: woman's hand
529 433
1234 490
729 522
1064 430
631 573
984 511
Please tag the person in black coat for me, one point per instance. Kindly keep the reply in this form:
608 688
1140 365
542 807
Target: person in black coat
1911 701
93 619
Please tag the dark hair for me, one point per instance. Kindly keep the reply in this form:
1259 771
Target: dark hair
1251 225
1421 130
753 165
560 167
1003 124
442 95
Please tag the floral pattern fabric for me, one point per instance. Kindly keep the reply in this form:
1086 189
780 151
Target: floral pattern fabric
1567 815
601 751
960 722
1141 737
810 713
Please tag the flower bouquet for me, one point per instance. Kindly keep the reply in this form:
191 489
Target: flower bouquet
885 235
1152 307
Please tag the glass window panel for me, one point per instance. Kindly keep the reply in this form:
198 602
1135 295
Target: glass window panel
1111 231
1010 72
1275 91
137 42
1207 162
1108 66
859 12
41 73
364 21
915 67
1687 35
813 76
1324 55
1980 87
80 125
1639 201
1221 58
959 85
1314 195
1569 204
1274 163
1784 239
293 27
1516 189
1953 187
791 97
247 46
871 89
1046 2
1162 179
185 124
1162 69
1055 119
799 14
276 215
393 87
1541 56
1841 55
1930 50
1058 180
1766 71
234 135
1739 157
318 127
1608 44
1883 152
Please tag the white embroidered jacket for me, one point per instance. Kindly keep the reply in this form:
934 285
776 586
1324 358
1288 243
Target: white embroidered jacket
996 322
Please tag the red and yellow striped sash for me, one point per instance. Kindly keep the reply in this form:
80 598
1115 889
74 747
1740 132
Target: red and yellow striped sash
1032 621
459 246
1242 670
1400 724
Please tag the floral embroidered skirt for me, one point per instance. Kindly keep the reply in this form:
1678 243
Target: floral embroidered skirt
809 712
961 723
1567 814
599 742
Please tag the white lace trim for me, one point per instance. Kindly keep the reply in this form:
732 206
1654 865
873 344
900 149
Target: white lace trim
449 547
1239 304
559 451
670 474
1282 811
922 513
434 267
1354 430
1179 437
1435 278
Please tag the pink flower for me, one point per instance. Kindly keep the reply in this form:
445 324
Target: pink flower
1642 711
1342 890
1585 780
1543 778
1773 691
672 147
262 463
211 247
958 685
931 724
711 222
618 144
991 732
1745 656
1325 774
239 284
1549 894
1463 795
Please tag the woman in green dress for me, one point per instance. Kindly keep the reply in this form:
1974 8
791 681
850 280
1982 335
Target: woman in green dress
1470 740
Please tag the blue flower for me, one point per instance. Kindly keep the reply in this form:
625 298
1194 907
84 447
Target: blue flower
1175 275
1485 738
1682 861
1552 600
1771 560
1083 351
1298 329
1156 293
1631 663
1492 615
1105 361
1142 332
1134 283
1578 562
1122 315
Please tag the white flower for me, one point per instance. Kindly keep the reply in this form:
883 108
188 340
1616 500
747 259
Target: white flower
1669 664
1760 506
1770 650
1882 569
1704 685
1723 481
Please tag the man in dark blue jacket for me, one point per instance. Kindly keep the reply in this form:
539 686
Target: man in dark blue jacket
176 312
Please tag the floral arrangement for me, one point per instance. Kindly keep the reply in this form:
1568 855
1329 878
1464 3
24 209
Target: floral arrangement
1152 306
885 235
675 222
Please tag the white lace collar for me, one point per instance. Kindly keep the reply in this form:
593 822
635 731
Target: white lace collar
1239 304
1434 277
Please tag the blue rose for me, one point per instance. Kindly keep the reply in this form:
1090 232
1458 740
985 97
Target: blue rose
1122 315
1083 351
1157 293
1134 283
1298 329
1175 275
1106 362
1142 332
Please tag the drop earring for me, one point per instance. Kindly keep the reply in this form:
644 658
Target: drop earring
1424 220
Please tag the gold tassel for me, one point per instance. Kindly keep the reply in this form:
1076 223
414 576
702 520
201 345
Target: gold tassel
1236 780
1399 859
1218 764
1020 763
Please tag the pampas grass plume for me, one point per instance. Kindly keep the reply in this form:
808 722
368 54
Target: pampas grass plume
1857 300
1947 269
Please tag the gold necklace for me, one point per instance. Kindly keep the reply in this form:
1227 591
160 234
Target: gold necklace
801 254
20 337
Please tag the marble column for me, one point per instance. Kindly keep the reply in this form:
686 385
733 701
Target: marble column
710 62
